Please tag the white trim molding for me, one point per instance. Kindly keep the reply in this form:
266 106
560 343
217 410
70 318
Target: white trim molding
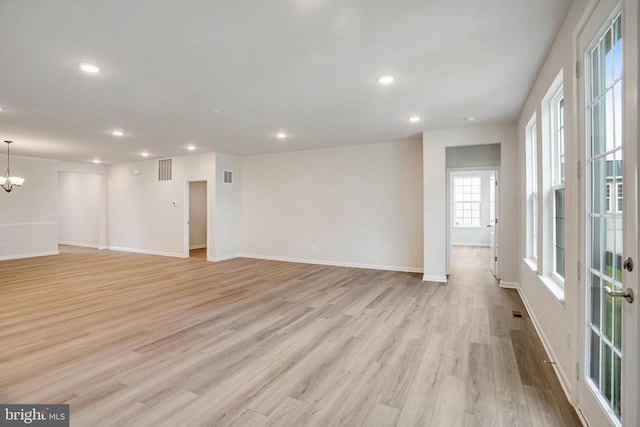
509 285
335 263
82 245
200 246
223 258
28 224
146 252
437 279
479 245
31 255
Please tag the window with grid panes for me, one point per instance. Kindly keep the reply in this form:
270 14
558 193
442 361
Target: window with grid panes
467 200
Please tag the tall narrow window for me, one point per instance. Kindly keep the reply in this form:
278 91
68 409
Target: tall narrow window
467 201
531 141
557 182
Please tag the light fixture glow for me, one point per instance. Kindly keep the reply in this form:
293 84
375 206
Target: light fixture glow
191 147
89 68
385 80
414 119
281 135
117 133
8 182
144 154
96 161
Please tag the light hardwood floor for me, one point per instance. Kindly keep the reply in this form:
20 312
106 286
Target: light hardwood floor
136 340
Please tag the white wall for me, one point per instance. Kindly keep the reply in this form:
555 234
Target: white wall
79 204
473 156
96 169
472 236
29 214
435 145
133 212
227 208
357 205
142 213
555 318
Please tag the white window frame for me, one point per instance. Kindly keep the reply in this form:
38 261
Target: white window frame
532 200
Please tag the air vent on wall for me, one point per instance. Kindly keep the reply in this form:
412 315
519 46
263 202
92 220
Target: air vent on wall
164 170
228 177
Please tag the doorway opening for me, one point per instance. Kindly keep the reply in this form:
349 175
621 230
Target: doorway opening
196 221
473 224
80 207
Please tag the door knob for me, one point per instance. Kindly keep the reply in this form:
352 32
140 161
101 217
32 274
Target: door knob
628 264
628 294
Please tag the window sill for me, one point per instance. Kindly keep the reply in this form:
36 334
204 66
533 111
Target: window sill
532 264
555 287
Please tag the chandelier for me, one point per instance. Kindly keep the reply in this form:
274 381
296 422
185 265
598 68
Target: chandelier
8 182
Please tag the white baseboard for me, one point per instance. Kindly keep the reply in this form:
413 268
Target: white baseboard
31 255
562 377
28 224
223 258
581 416
201 246
335 263
439 279
480 245
509 285
147 252
82 245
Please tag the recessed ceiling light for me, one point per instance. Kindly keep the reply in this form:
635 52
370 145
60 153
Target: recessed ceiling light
281 135
414 119
191 147
470 118
89 68
96 161
144 154
117 133
216 111
385 80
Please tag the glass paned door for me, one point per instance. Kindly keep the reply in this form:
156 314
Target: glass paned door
604 214
608 374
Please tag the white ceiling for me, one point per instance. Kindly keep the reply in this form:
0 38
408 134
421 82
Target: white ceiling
306 67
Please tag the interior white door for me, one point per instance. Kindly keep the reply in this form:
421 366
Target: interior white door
607 385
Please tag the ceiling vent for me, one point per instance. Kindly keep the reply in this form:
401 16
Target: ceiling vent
164 170
228 177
